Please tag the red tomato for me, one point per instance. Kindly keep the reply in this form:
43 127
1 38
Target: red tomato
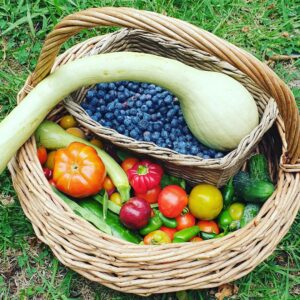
169 231
128 163
108 185
42 154
157 237
172 200
78 170
150 196
196 239
209 226
185 221
48 173
51 181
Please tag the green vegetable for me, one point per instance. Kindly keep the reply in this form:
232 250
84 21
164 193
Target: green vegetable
206 98
252 190
153 224
111 205
112 220
168 222
228 193
171 180
250 212
234 225
105 205
186 234
258 168
224 220
52 136
207 235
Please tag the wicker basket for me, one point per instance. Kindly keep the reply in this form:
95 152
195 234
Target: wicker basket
156 269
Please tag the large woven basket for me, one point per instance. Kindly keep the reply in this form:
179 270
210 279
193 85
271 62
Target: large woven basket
156 269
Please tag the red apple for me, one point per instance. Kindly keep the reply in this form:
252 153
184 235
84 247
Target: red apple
135 213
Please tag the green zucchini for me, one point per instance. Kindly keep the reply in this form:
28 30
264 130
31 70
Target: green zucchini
250 212
250 189
258 168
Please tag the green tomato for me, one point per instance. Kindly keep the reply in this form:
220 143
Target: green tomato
224 219
236 210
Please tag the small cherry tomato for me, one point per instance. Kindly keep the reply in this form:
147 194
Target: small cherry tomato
157 237
76 132
209 226
50 160
185 221
108 185
196 239
51 181
48 173
169 231
128 163
42 154
116 198
97 143
236 210
151 195
172 200
67 121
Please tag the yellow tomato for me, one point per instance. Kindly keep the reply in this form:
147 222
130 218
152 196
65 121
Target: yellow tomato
67 121
76 132
97 143
205 201
50 160
116 198
236 210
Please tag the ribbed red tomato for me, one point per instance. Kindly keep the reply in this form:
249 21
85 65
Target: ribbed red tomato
185 221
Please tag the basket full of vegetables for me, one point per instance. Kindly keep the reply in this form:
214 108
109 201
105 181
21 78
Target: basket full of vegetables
171 164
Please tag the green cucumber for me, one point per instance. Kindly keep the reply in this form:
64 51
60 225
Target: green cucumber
258 168
250 189
250 212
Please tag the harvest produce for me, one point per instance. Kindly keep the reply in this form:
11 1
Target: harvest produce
236 211
68 121
250 211
185 221
151 195
157 237
78 170
42 154
135 213
208 226
210 101
258 168
169 231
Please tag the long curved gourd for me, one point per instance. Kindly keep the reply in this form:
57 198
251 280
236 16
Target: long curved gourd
218 109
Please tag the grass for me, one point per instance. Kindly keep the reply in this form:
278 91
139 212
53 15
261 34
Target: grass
28 270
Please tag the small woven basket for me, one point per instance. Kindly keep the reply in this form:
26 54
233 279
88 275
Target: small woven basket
157 269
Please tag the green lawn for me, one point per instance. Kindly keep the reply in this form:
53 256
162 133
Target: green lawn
28 270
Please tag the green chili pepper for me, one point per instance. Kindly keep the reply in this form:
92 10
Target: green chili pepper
186 234
171 223
224 220
153 224
208 235
228 193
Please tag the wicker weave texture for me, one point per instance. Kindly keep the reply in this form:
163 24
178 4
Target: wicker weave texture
158 269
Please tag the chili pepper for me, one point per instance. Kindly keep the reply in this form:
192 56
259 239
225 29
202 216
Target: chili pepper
157 237
208 235
144 176
153 224
224 219
171 223
228 193
186 234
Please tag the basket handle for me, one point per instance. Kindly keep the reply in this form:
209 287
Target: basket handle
187 34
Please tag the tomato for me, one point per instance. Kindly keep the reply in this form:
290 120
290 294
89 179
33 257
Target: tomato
97 143
208 226
185 221
42 154
116 198
48 173
151 195
128 163
78 170
108 185
50 160
51 181
67 121
236 210
76 132
169 231
172 200
205 201
157 237
196 239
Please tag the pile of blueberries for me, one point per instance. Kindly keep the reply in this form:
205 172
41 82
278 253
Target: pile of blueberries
145 112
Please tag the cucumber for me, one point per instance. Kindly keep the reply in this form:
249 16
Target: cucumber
258 168
250 189
250 212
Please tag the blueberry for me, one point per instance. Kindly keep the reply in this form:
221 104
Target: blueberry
140 114
194 150
147 136
102 86
109 116
152 92
172 137
151 111
189 137
94 101
138 103
144 108
158 89
120 118
167 127
127 121
155 135
119 106
122 112
219 155
146 117
94 117
186 130
100 94
143 97
84 105
205 152
113 94
180 120
90 94
171 113
174 123
135 119
89 112
155 98
163 109
205 156
168 99
182 150
157 125
134 133
154 117
111 85
133 112
135 87
107 97
111 106
143 124
130 103
164 134
121 88
144 85
107 124
181 144
149 103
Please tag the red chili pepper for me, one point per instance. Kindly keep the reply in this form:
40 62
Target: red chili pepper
144 175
